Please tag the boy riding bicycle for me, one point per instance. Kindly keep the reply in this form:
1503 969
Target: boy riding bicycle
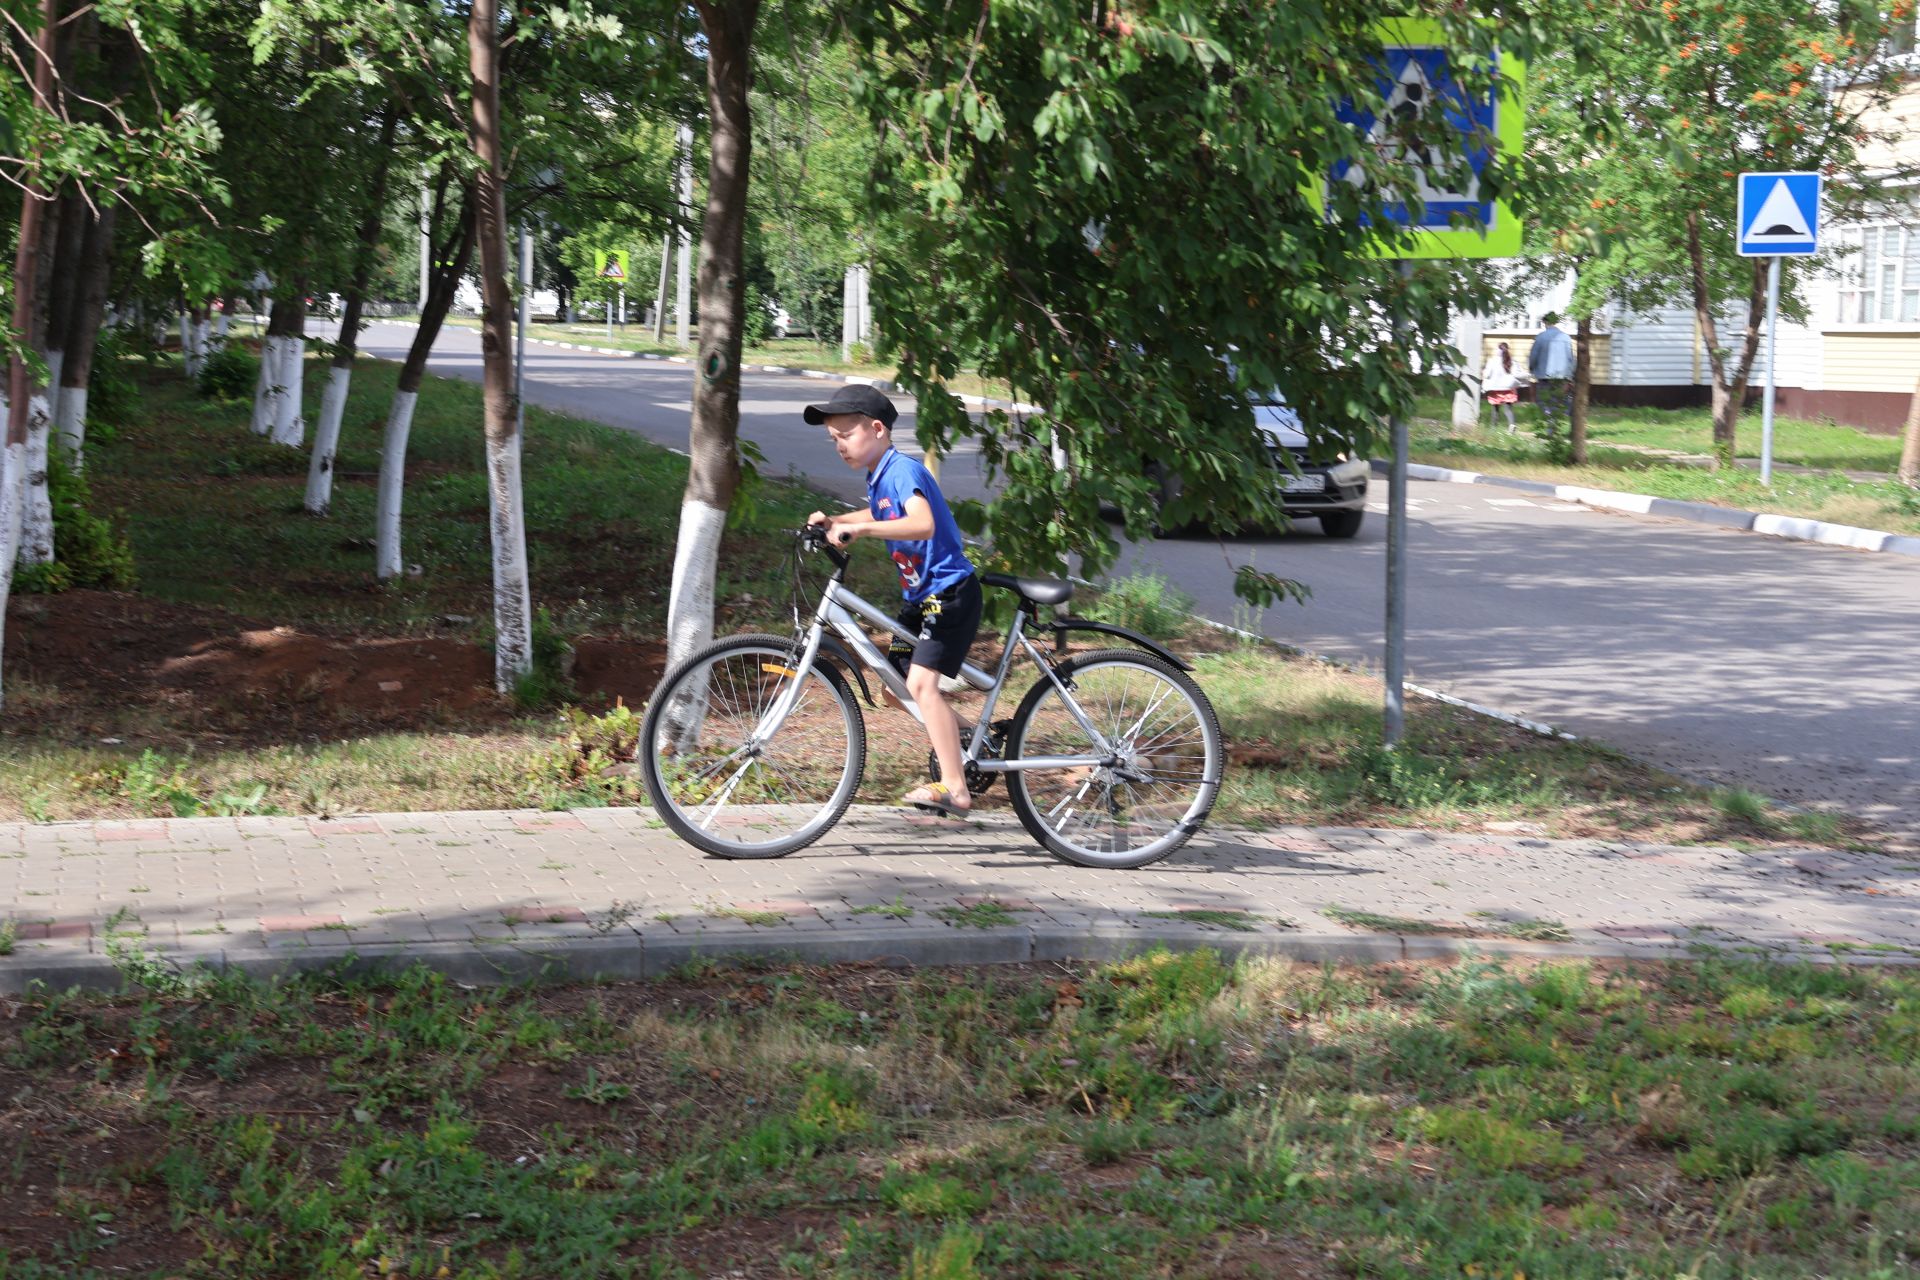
938 585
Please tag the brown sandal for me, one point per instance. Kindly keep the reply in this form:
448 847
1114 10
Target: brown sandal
935 797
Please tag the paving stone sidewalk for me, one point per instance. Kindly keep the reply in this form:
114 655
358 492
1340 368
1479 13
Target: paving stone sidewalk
495 895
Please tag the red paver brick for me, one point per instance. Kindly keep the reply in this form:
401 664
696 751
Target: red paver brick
537 914
297 924
129 833
349 827
43 929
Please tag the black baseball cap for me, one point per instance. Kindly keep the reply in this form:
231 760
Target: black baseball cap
854 399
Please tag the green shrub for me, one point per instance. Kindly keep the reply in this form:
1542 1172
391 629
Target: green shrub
112 393
757 322
228 374
87 551
1146 603
549 682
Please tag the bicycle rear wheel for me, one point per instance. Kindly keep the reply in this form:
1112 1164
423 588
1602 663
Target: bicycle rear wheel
1154 789
721 789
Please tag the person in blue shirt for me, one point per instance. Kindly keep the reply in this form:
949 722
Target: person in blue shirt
1551 364
938 586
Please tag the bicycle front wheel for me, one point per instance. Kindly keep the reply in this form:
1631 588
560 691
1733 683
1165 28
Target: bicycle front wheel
720 781
1148 792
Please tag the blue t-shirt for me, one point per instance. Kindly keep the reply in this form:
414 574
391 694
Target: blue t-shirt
931 564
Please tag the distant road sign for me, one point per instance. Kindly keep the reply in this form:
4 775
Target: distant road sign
1416 77
1778 215
613 266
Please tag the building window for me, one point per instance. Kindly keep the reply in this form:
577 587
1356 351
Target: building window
1881 281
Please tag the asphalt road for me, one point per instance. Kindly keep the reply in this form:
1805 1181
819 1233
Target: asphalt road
1790 668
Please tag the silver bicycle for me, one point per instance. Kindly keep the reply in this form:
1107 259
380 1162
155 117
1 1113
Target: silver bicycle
755 745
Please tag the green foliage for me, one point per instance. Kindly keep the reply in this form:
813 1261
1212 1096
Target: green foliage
951 1257
229 373
549 682
757 320
594 764
113 394
1075 202
88 551
1146 603
1491 1143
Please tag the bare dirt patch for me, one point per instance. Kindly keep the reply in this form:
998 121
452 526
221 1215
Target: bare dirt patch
203 670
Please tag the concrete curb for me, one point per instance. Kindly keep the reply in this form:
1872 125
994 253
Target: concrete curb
1792 527
642 953
847 379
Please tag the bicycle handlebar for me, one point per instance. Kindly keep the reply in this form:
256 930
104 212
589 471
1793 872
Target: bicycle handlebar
813 537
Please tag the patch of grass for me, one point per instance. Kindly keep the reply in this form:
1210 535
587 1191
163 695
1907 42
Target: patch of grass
1173 1114
896 910
979 915
1146 603
1378 923
1621 457
1238 921
747 915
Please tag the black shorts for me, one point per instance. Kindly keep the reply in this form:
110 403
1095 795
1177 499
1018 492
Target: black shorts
946 623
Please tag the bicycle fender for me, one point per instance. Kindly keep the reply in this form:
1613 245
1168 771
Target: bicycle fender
835 648
1063 625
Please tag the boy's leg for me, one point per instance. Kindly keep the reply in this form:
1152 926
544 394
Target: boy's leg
943 731
951 622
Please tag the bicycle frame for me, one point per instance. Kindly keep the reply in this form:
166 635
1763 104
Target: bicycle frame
841 609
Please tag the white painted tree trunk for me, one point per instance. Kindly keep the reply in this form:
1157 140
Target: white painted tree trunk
512 597
220 325
36 519
696 558
186 345
13 468
267 390
289 427
326 440
55 361
202 343
393 478
70 424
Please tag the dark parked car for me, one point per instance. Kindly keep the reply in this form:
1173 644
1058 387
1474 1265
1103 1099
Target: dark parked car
1335 493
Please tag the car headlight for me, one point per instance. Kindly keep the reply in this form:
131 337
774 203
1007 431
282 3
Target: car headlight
1350 473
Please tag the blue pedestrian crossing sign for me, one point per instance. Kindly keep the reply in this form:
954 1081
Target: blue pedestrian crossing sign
1778 214
1414 188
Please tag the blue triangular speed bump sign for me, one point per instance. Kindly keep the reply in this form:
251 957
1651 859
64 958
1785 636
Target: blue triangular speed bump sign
1778 213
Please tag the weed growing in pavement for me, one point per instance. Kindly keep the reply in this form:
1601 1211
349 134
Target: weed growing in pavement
1238 921
897 909
979 915
9 935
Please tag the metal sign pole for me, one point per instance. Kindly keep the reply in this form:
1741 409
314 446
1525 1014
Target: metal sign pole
1396 726
1766 406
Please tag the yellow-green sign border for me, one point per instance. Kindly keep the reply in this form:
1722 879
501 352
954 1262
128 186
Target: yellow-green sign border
1509 121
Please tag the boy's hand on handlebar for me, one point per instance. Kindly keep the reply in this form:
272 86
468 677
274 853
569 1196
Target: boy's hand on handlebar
839 535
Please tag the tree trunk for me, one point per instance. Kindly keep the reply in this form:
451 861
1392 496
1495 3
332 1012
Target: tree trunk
714 467
1582 389
1729 384
25 317
333 401
289 424
1909 472
63 287
512 605
442 283
267 389
83 336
